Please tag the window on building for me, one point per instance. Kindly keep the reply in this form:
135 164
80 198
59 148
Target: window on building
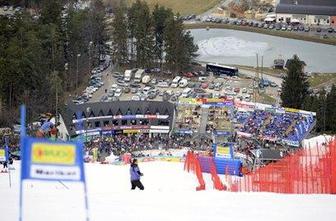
163 123
97 124
115 122
328 21
133 122
124 122
106 123
143 122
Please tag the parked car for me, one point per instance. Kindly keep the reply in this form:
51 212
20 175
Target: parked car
135 98
191 84
202 79
204 85
153 81
188 75
163 84
118 92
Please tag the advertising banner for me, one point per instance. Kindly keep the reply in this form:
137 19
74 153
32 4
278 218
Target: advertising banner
2 155
223 151
44 160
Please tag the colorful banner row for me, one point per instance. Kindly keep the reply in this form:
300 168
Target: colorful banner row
124 117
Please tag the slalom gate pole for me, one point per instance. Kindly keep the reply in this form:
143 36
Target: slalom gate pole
7 160
9 171
22 137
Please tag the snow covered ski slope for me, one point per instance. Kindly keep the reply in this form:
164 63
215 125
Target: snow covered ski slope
169 195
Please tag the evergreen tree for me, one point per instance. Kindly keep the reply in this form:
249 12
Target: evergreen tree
160 15
143 35
179 46
295 85
119 37
330 111
320 109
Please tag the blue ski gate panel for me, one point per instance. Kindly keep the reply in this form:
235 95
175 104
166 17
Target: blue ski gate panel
232 166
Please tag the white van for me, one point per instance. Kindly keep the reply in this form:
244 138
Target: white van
183 83
186 92
175 81
146 90
146 79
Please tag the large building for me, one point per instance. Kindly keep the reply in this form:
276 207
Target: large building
109 118
310 12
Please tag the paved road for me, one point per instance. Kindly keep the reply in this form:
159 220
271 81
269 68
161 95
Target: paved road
108 81
252 74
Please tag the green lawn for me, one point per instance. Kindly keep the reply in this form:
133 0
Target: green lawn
265 98
319 79
184 7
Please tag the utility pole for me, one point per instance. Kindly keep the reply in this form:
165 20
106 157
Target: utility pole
256 79
90 45
78 55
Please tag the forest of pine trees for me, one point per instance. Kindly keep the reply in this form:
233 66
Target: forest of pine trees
146 39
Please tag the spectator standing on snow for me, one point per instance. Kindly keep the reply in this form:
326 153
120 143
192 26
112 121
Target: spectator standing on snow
135 175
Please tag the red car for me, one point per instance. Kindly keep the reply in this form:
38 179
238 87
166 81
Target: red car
188 75
204 85
237 89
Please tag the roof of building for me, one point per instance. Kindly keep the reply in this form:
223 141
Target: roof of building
117 108
309 7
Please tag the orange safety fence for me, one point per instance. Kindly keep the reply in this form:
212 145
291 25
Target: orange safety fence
310 170
192 164
218 185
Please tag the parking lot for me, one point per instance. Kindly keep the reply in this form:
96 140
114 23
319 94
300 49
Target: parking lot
319 31
163 87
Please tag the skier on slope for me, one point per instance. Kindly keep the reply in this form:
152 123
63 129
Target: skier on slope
135 175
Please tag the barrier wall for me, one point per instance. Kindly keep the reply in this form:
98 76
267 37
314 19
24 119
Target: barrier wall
223 166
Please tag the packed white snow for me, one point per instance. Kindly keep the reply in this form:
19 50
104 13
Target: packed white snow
230 47
169 195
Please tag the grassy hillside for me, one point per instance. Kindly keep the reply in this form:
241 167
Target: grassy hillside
184 7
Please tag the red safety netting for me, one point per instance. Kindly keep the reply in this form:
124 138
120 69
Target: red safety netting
192 164
307 171
310 170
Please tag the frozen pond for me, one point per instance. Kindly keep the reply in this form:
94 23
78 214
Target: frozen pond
239 47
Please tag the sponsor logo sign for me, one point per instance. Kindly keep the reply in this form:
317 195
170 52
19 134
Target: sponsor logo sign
224 151
2 155
45 160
